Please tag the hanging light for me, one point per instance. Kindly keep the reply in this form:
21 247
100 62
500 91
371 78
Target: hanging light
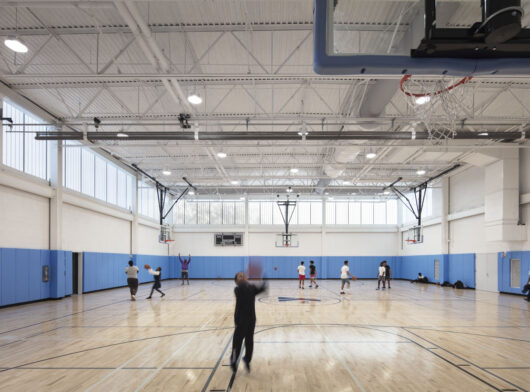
294 170
371 155
16 45
289 190
194 99
420 172
122 134
221 154
234 182
166 172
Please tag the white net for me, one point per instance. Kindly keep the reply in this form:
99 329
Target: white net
438 104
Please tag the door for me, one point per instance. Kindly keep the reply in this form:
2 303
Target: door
75 273
487 272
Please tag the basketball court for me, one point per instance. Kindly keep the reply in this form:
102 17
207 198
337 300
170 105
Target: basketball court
153 150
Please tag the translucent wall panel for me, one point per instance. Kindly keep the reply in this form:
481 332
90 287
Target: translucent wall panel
391 212
341 213
380 213
190 217
266 212
130 192
122 189
35 151
216 213
330 213
304 213
316 212
203 213
112 179
239 213
254 217
228 213
13 143
72 165
367 213
87 172
354 213
101 178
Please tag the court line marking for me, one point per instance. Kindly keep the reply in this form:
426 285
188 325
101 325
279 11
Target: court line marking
466 360
214 370
106 377
340 358
112 345
149 378
470 333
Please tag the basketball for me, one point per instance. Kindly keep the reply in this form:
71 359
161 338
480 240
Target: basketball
147 266
354 277
254 270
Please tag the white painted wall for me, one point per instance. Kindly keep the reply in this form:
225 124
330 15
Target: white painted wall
24 219
466 190
431 242
360 244
148 241
89 231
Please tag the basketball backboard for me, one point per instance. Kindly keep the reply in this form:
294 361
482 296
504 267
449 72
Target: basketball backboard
389 38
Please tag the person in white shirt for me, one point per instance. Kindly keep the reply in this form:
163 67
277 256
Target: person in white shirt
132 279
381 275
301 275
344 273
156 286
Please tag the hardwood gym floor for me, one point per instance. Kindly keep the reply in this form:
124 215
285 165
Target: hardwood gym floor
410 338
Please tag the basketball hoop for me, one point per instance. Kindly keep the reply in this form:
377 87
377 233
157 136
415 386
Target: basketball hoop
411 241
438 104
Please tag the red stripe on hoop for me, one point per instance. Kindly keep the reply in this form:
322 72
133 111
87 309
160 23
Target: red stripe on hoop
409 94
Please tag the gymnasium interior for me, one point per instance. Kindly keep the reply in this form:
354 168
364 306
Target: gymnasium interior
253 135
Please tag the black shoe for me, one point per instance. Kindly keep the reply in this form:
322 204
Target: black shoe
247 365
233 367
148 297
163 295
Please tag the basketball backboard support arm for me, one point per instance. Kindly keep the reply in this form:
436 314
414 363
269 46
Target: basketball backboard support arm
420 191
286 216
327 62
162 191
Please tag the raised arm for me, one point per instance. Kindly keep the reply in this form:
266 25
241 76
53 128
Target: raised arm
189 258
153 272
180 259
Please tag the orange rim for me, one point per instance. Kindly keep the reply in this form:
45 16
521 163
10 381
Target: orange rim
417 95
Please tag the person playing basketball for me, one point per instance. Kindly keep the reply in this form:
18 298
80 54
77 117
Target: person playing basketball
312 274
388 273
381 275
184 264
301 275
157 284
132 279
344 273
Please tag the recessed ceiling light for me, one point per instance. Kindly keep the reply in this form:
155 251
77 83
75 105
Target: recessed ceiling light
191 192
371 155
194 99
294 170
423 100
289 190
420 172
234 182
483 134
16 45
221 154
166 172
122 134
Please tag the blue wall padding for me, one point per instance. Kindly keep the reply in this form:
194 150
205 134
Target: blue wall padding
462 267
504 271
21 275
104 270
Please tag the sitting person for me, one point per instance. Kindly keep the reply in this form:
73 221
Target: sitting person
420 279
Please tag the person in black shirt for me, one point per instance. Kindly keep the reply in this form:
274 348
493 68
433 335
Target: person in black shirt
157 285
388 273
312 274
244 318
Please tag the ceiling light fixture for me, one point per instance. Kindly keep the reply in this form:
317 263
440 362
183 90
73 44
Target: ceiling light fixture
483 134
346 182
122 134
294 170
16 45
289 190
234 182
191 192
166 172
221 154
420 172
194 99
423 100
386 193
371 155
